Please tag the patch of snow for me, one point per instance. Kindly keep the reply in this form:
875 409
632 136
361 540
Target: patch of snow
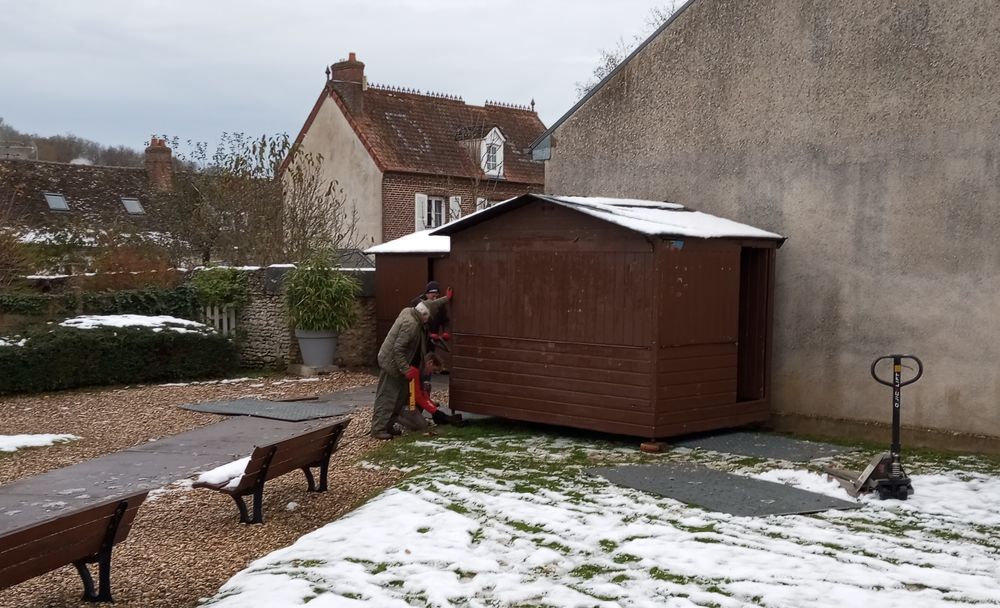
182 485
157 323
448 537
10 341
33 277
418 242
231 473
12 443
282 266
292 506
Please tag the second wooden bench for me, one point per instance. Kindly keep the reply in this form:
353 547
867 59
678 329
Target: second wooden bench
311 449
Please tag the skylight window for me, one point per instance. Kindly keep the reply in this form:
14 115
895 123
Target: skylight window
57 202
133 206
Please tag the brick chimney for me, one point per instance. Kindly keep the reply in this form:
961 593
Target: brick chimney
159 165
347 78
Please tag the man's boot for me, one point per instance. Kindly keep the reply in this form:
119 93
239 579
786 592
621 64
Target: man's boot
383 435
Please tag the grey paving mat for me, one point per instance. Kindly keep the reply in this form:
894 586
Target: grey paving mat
713 490
763 445
145 466
292 411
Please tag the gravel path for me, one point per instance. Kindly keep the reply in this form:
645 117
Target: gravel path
184 544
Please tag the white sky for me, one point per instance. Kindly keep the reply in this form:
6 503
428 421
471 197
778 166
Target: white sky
116 71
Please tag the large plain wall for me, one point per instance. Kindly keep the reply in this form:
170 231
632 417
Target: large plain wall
869 134
346 160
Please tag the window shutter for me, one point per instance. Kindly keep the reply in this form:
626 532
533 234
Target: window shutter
454 207
419 211
480 204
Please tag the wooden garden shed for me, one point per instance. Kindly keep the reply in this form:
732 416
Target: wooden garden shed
633 317
402 269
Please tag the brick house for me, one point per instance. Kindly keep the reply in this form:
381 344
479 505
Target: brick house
409 161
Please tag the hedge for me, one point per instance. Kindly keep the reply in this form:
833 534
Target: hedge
67 357
181 302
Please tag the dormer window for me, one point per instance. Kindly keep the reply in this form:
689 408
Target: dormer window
491 152
57 202
133 206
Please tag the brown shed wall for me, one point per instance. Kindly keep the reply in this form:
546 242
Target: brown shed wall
553 321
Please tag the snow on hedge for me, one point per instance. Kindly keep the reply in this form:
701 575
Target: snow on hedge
13 341
156 323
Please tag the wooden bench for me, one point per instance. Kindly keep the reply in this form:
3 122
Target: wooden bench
312 449
79 537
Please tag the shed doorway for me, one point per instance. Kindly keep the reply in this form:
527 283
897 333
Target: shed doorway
755 306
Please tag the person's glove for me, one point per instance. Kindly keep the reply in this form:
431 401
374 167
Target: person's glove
449 293
435 336
412 373
445 335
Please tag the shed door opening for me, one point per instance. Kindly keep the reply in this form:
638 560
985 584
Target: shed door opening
752 352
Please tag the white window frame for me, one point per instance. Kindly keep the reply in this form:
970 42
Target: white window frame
491 153
56 201
138 208
454 208
434 215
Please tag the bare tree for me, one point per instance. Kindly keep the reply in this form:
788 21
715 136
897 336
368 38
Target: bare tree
611 58
257 200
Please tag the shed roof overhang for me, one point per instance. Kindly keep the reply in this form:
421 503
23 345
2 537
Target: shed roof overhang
650 218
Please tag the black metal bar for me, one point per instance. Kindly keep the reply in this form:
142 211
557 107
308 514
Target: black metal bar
324 464
103 559
242 506
897 376
88 581
309 479
258 488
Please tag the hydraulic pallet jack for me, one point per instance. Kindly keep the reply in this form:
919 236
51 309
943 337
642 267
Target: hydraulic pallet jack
885 473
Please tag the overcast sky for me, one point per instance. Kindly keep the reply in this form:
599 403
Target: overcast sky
116 71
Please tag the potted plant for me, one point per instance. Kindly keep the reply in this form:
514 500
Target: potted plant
320 301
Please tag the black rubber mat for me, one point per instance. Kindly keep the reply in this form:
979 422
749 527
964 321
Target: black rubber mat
292 411
713 490
763 445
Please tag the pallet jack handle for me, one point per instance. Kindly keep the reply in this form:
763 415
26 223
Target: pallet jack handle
896 384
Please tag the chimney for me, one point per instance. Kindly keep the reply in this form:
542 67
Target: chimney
159 165
347 78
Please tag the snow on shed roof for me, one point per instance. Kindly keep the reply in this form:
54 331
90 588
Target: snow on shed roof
418 242
655 218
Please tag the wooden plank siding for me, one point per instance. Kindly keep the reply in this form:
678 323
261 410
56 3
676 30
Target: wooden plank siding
581 385
553 321
697 359
398 279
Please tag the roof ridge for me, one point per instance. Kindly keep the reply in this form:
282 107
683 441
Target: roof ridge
434 94
509 106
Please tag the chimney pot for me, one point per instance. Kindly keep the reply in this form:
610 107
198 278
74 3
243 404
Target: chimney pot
347 78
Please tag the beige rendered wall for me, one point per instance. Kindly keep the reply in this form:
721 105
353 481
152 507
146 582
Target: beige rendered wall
346 160
869 134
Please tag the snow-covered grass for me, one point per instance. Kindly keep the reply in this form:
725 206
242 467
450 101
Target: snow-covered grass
157 323
12 443
506 516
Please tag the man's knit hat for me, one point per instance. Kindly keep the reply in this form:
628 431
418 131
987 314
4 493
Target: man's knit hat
432 287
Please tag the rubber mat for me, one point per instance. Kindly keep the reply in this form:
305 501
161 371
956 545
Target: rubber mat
700 486
763 445
292 411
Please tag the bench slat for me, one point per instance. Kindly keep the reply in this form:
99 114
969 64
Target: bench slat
61 540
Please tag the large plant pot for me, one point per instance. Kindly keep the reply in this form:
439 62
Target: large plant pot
318 347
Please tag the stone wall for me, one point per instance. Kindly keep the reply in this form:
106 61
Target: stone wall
268 341
864 131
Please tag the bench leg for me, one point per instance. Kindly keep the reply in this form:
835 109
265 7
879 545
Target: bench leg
258 504
242 506
89 595
309 479
323 467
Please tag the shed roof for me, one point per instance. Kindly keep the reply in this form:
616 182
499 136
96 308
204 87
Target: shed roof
653 218
418 242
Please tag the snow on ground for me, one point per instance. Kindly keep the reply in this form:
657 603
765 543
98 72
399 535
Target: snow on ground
13 341
513 520
12 443
157 323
